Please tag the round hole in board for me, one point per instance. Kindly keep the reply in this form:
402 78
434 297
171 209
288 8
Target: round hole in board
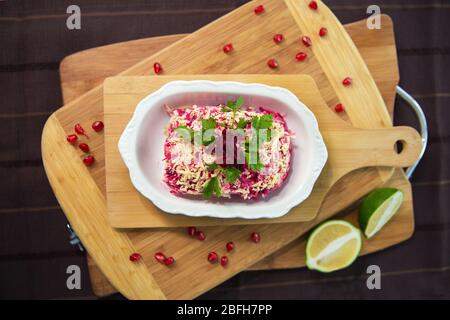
399 146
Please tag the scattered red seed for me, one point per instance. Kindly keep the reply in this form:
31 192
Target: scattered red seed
255 237
278 38
301 56
228 48
313 5
160 257
200 235
79 129
323 32
259 9
157 67
72 138
224 261
168 261
306 41
230 246
84 147
347 81
191 231
89 160
135 257
339 108
98 126
272 63
213 257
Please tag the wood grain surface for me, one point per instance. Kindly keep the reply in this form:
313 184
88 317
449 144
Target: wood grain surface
89 106
80 73
348 148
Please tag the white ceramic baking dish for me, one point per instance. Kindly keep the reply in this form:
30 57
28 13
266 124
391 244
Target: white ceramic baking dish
141 147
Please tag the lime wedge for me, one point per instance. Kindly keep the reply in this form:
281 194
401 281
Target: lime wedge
333 245
378 208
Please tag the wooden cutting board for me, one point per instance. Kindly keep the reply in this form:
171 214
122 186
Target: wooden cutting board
149 279
348 149
88 107
81 72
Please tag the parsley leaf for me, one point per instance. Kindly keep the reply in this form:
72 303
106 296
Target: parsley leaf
212 166
239 102
233 105
231 174
242 123
212 187
185 132
208 123
256 166
263 122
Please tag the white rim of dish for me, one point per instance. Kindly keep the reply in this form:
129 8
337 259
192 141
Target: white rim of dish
128 141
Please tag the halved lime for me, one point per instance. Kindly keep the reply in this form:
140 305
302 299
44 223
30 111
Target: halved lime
378 208
333 245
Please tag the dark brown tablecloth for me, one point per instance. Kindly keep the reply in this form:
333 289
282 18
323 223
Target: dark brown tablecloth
34 249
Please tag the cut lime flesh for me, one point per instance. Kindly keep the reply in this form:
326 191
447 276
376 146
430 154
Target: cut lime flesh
333 245
378 208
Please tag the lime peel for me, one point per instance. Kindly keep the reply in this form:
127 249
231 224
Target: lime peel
335 245
378 208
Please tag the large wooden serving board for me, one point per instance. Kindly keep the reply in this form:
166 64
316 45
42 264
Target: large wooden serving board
86 219
81 72
348 148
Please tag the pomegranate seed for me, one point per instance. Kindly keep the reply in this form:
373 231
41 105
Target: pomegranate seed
72 138
79 129
272 63
160 257
89 160
278 38
230 246
301 56
347 81
323 32
339 108
191 231
213 257
228 48
135 257
312 5
98 126
224 261
200 235
157 67
84 147
255 237
306 41
168 261
259 9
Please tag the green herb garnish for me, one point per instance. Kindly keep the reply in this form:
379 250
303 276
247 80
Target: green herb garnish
208 124
231 174
212 166
242 123
185 132
263 122
212 187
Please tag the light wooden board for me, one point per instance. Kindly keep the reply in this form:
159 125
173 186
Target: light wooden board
379 45
191 275
348 149
80 72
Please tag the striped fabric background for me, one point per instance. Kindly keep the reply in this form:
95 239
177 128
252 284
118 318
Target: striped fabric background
34 249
